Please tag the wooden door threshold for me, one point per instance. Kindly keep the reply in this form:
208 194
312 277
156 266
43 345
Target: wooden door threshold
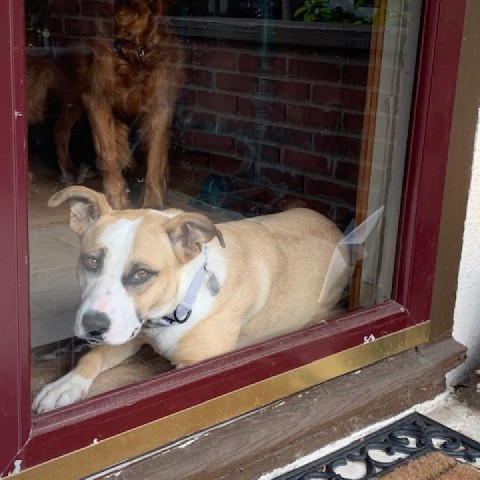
280 433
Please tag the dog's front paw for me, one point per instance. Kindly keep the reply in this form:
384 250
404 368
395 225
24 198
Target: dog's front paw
66 390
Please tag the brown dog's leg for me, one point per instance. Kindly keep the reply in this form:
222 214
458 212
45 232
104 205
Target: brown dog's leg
75 385
104 137
122 145
156 137
68 117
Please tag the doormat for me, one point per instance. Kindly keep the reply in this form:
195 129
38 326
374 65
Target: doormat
413 448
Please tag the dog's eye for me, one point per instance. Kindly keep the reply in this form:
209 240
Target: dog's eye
93 262
140 275
90 264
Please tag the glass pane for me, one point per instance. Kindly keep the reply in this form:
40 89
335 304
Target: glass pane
293 112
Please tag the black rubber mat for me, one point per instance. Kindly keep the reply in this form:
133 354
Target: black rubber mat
379 453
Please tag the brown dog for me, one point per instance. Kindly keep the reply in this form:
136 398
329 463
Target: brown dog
136 77
47 83
44 81
189 288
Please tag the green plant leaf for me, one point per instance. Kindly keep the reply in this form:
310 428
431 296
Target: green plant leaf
299 11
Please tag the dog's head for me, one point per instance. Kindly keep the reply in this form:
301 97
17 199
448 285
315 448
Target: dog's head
131 263
134 19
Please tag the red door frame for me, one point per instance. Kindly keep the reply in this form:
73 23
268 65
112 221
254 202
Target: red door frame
14 294
68 429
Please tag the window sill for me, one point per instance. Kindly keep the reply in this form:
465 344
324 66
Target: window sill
276 31
257 375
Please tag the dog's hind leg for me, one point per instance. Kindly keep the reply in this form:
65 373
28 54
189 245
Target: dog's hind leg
109 162
156 138
75 385
68 117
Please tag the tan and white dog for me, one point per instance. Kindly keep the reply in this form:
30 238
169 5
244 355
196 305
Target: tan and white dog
189 288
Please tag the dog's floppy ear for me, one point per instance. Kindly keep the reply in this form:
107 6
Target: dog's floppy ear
188 232
86 206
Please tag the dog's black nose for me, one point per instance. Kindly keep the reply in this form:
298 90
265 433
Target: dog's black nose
95 323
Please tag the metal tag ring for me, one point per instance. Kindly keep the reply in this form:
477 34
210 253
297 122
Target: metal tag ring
183 320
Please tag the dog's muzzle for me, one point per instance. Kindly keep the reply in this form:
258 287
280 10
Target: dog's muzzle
95 324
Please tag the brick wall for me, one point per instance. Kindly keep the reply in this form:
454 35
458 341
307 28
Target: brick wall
79 21
273 123
282 122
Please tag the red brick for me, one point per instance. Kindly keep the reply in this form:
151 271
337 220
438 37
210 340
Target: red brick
80 28
353 122
338 145
187 96
172 51
285 89
291 201
270 153
215 59
206 42
239 127
97 8
210 141
66 41
55 26
232 166
347 172
194 158
180 173
257 151
285 178
202 78
260 64
288 136
217 101
242 206
188 56
354 74
312 70
344 215
63 7
316 117
329 189
344 97
255 193
321 207
181 138
237 83
192 119
308 162
260 109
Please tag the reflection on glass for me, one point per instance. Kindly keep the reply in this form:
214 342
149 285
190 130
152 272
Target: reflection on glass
298 109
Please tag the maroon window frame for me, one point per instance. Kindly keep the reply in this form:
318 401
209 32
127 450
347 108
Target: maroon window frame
38 439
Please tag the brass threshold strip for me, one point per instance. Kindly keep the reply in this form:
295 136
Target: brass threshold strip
136 442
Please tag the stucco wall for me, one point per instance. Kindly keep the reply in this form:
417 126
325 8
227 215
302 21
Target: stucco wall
466 329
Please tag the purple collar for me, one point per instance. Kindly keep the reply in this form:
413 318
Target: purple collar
184 309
